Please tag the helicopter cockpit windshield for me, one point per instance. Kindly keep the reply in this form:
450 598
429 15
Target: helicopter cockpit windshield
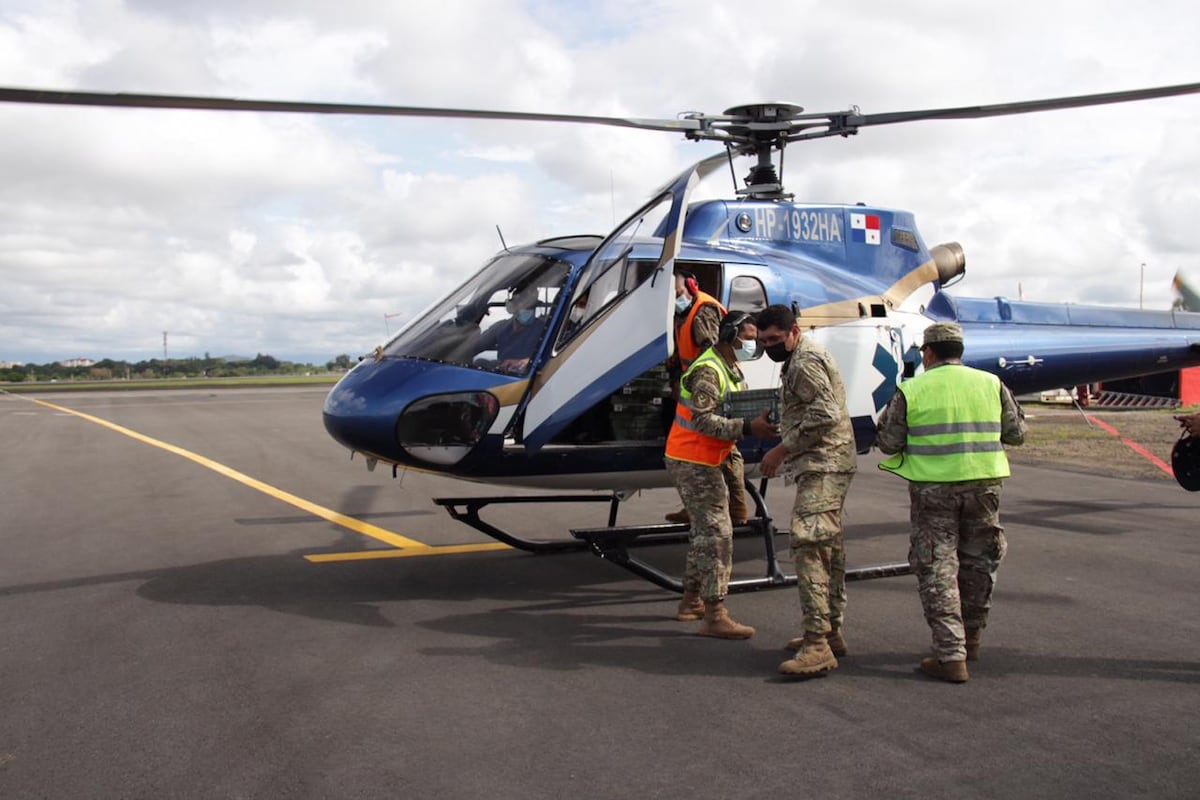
495 321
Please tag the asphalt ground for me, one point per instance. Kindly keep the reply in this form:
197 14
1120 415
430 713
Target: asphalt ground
172 629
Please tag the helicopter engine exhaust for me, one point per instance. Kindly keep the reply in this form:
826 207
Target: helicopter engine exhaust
950 260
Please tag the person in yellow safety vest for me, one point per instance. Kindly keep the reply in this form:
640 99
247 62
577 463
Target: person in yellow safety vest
945 430
699 450
697 322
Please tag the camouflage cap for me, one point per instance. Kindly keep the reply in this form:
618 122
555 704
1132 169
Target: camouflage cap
943 332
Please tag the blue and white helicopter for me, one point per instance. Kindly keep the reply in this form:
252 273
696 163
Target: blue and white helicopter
579 414
581 408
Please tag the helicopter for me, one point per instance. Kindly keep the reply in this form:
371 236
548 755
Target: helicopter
586 403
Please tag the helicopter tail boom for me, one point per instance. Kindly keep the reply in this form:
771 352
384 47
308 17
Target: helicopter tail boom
1038 346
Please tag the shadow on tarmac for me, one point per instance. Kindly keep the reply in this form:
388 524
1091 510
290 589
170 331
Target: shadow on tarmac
1095 518
547 617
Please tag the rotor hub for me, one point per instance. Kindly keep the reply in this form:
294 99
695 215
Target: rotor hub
766 112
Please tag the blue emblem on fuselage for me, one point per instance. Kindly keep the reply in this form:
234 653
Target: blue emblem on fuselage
886 364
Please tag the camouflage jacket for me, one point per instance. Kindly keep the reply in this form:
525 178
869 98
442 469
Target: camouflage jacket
814 421
705 326
704 384
892 433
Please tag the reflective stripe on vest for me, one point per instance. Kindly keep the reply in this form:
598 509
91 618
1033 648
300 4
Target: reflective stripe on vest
684 442
685 344
953 427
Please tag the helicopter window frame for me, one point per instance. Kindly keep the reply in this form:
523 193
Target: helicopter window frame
612 277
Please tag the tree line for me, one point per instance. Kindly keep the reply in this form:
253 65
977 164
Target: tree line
207 367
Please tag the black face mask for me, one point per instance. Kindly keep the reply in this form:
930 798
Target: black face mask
777 352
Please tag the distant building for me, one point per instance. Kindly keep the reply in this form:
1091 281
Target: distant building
77 362
11 364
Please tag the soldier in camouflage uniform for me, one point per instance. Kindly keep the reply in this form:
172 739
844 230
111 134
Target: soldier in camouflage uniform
946 429
699 448
697 323
817 451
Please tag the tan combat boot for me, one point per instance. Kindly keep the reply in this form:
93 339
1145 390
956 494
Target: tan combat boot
719 625
973 635
951 671
837 643
691 607
680 517
813 657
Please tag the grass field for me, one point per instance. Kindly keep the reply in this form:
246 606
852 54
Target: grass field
1064 437
169 383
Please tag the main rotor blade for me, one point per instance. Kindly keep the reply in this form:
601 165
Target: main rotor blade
184 102
1026 107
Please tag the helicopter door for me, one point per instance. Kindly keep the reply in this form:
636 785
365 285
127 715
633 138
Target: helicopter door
628 293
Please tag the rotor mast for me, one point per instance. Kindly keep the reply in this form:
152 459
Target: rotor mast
758 130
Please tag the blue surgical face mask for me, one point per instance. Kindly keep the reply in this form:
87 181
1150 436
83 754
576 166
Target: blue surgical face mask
746 349
682 303
525 316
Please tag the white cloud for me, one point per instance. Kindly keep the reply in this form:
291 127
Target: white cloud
295 234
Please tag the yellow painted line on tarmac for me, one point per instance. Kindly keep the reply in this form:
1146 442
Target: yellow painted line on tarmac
444 550
356 525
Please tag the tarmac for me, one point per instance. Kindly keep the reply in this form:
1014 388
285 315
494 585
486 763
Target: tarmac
202 596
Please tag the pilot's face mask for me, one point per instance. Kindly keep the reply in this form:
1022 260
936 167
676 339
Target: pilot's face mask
524 316
682 303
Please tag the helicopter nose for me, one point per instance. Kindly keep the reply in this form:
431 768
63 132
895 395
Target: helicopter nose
357 423
438 429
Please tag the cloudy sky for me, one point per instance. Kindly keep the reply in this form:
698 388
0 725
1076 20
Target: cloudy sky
306 237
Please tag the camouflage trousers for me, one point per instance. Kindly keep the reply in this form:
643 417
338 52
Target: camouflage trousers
705 494
956 547
818 549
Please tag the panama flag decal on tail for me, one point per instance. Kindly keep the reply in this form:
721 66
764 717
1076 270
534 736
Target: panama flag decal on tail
864 228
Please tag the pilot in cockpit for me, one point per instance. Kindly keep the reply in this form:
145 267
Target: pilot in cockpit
515 339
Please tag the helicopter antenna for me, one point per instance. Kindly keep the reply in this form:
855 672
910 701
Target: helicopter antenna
612 196
503 243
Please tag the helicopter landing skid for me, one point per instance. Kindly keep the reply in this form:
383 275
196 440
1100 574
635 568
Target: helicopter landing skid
613 543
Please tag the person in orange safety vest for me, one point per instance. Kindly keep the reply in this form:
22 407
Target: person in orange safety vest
697 322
